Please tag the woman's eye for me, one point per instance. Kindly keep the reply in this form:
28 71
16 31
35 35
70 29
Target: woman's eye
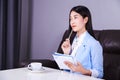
75 17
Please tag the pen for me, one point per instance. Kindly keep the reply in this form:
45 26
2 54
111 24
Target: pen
70 34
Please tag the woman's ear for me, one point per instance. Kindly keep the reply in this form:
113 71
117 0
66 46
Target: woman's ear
85 19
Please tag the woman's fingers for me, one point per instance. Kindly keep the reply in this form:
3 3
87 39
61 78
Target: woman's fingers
67 42
72 66
69 64
66 46
78 64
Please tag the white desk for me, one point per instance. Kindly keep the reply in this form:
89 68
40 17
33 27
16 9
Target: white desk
47 74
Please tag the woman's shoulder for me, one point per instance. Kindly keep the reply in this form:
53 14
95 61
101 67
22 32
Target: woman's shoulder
90 39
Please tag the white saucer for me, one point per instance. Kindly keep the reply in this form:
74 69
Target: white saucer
37 71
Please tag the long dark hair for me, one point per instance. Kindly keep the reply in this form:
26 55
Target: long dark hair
84 12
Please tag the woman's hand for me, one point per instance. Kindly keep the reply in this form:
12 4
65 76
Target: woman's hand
78 68
66 47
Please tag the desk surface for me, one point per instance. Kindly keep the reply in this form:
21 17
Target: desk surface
47 74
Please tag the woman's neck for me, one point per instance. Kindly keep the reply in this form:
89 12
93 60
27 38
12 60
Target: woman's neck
81 32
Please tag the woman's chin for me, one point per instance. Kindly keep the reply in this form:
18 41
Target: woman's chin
74 30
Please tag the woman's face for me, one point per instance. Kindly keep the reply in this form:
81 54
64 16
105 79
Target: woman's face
77 22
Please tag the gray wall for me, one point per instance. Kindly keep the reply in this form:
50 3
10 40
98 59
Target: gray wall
50 19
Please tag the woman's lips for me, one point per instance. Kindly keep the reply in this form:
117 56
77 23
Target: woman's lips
73 26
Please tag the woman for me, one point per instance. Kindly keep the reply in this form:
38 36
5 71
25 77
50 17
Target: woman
86 50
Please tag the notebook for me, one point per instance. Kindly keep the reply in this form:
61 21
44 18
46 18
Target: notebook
60 58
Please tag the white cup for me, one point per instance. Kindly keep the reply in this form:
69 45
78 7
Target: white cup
35 66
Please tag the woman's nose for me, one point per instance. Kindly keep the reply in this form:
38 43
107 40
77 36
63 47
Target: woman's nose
72 22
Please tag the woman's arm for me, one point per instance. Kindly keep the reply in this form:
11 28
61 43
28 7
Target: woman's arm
78 68
97 60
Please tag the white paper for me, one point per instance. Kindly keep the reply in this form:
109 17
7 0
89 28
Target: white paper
60 58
